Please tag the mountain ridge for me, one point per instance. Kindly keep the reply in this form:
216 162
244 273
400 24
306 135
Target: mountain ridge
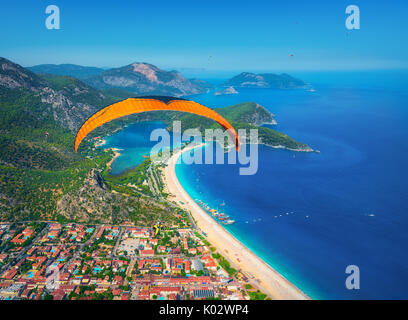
137 77
145 78
67 69
265 80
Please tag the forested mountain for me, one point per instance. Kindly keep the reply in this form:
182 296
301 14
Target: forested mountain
265 80
40 175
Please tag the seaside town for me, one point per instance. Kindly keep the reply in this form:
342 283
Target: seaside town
53 261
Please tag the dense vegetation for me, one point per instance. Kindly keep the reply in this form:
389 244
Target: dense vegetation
248 112
80 92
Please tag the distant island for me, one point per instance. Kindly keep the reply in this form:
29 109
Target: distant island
228 90
265 80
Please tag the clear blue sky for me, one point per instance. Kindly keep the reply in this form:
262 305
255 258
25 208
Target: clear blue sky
236 35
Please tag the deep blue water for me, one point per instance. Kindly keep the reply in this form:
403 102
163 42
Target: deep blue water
311 215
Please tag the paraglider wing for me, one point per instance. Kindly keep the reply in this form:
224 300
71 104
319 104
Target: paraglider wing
145 104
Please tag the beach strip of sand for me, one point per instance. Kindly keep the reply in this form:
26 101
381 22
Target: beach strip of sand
240 257
116 154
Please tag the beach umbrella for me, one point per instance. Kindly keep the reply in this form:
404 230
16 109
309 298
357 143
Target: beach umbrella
150 103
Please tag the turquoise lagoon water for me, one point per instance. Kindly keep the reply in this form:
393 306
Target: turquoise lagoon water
134 142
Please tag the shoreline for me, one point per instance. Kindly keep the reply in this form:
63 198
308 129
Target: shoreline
116 154
268 279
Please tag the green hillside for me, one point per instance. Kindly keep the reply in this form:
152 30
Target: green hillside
41 177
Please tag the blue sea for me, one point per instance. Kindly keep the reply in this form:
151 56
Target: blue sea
310 215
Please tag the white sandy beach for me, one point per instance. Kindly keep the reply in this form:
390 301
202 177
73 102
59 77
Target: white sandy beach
240 257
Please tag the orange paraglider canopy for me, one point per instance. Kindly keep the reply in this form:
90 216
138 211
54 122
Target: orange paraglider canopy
150 103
